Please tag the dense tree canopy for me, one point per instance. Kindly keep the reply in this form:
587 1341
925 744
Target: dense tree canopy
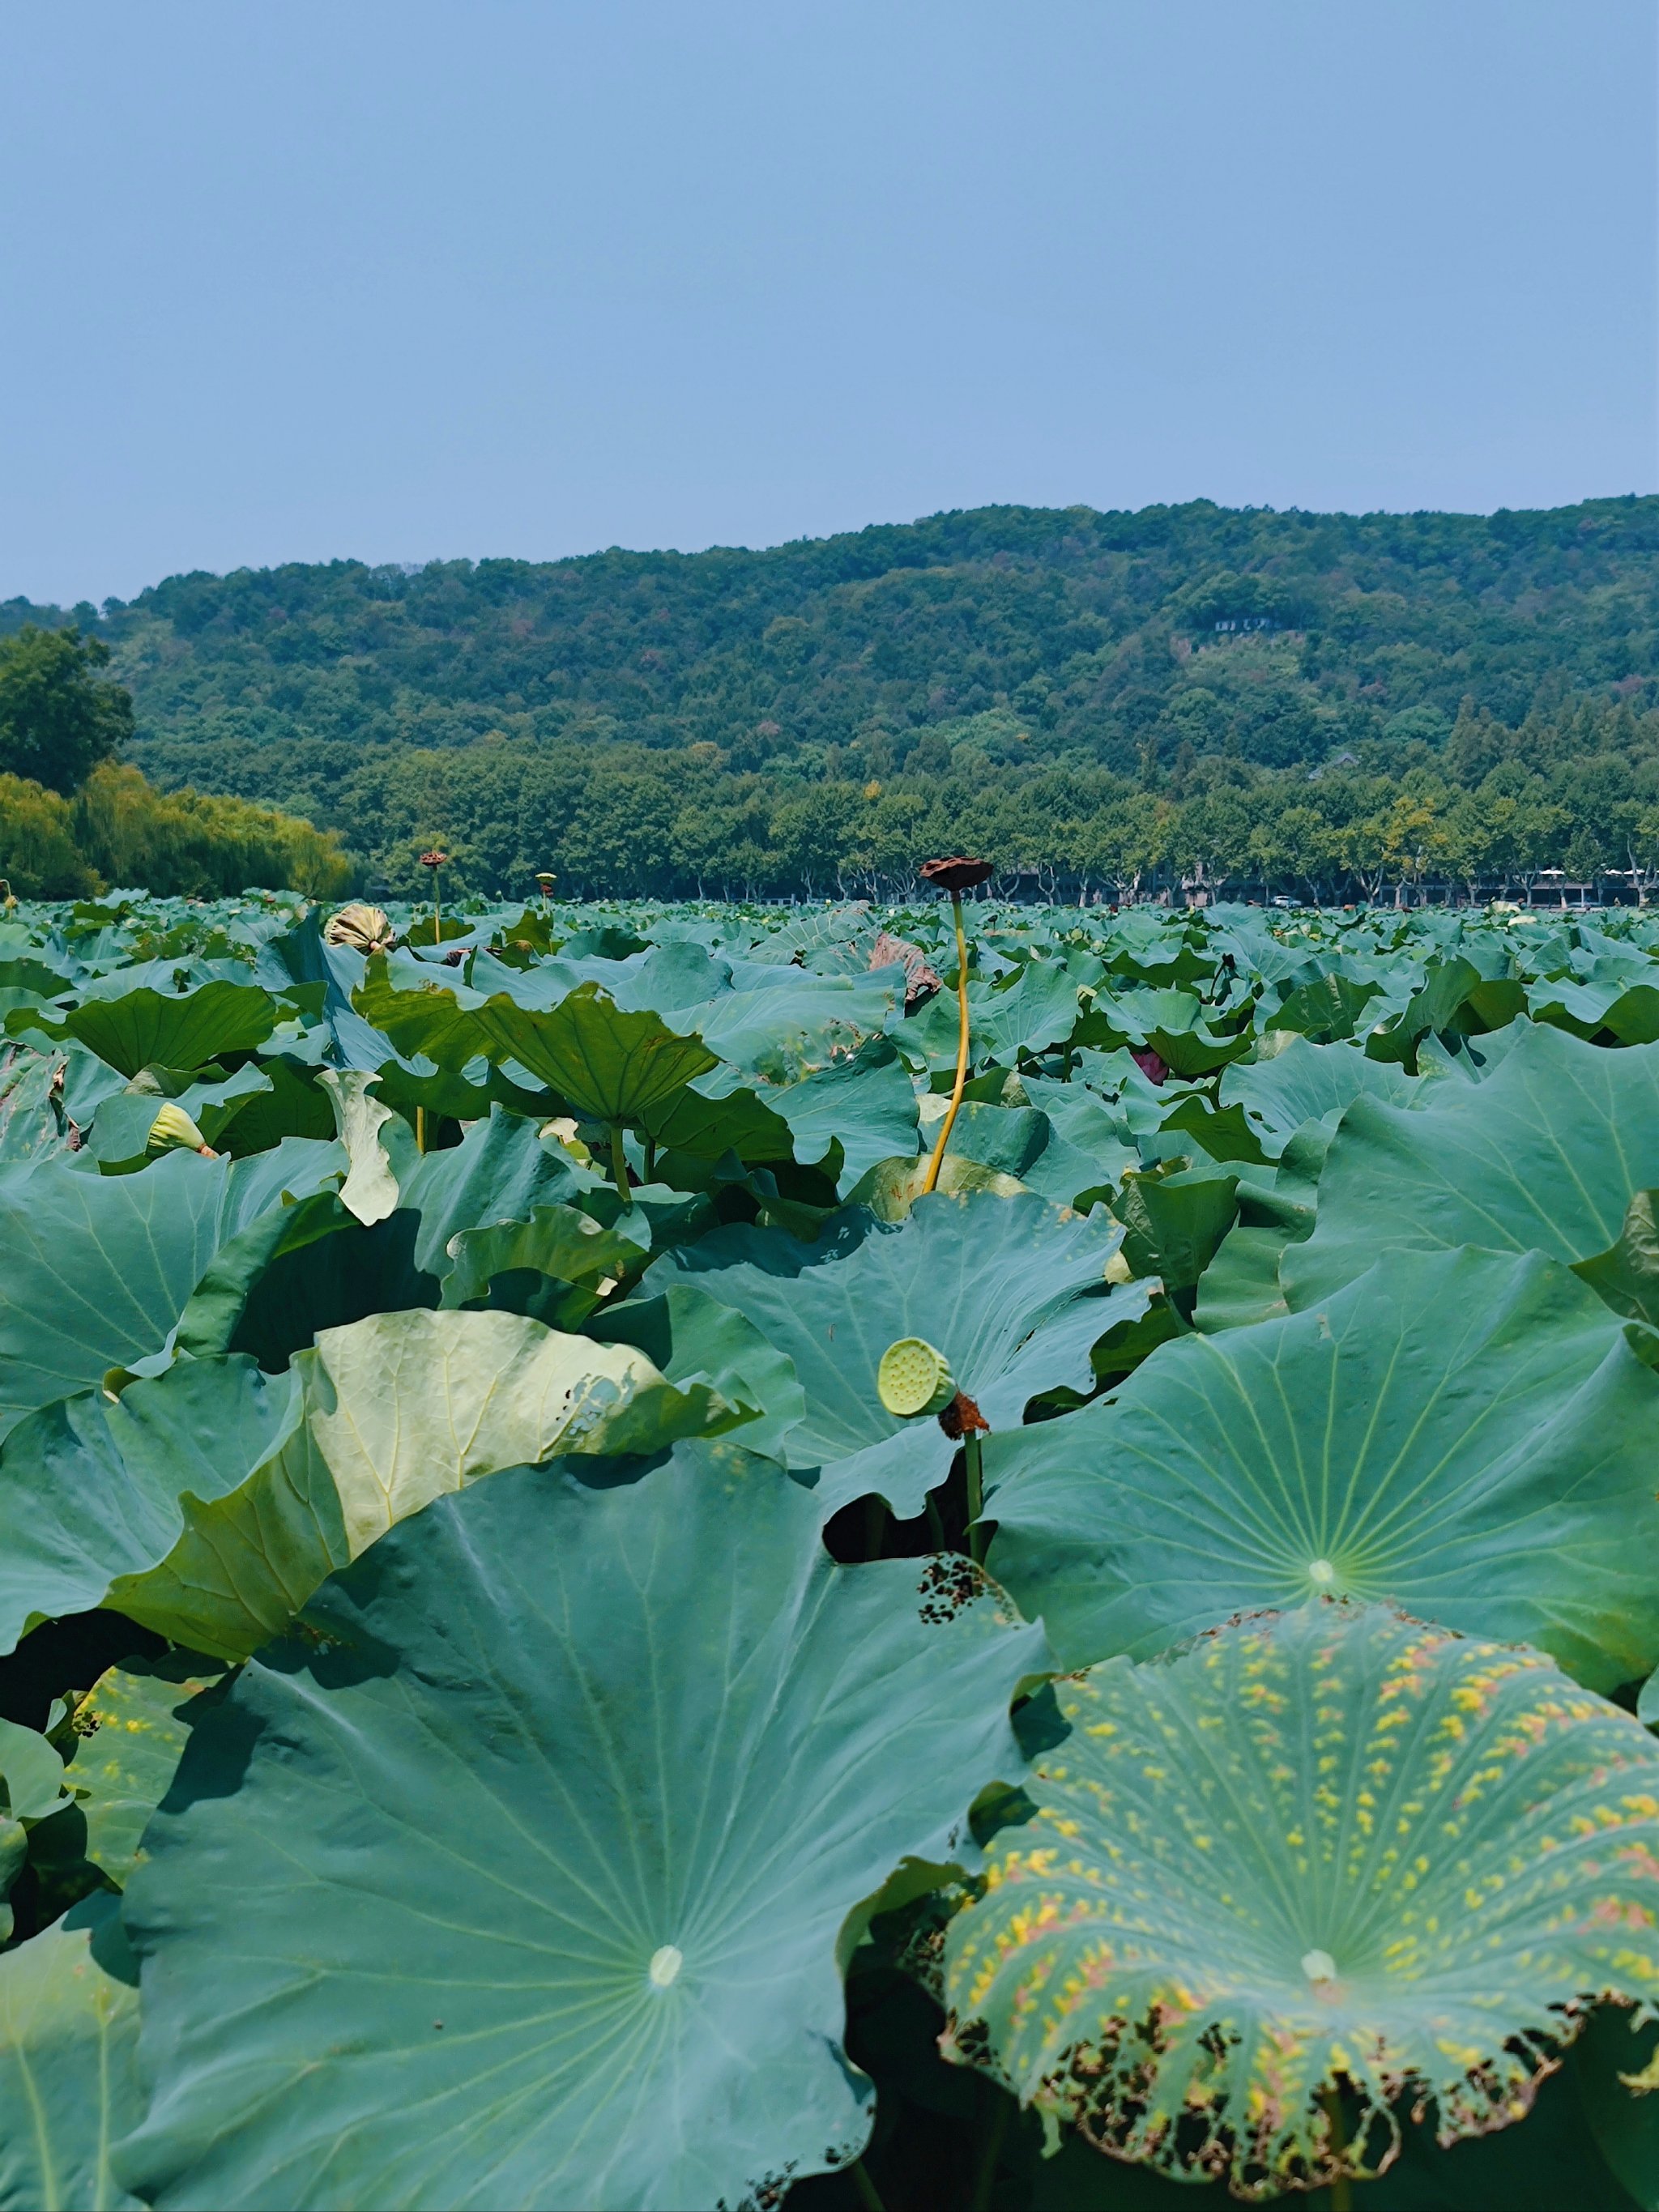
57 719
1317 702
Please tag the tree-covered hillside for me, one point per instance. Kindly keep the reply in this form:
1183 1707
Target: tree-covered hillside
663 721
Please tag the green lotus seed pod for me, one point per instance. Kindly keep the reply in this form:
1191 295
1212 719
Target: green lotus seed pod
914 1378
172 1131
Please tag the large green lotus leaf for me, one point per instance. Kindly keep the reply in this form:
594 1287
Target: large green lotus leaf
441 1914
551 1266
98 1267
1019 1142
716 1114
1327 1844
1467 1433
129 1735
1038 1008
1305 1083
209 1502
406 1002
693 1338
1010 1289
174 1503
177 1029
502 1169
794 1023
865 1103
1086 1124
606 1064
1546 1152
1173 1224
69 2087
298 1269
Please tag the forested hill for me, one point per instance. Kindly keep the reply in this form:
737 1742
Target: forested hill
1175 651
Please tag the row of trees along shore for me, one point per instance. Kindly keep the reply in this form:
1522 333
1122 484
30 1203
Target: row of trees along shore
1542 804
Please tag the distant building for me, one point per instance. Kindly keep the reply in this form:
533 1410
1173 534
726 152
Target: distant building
1245 622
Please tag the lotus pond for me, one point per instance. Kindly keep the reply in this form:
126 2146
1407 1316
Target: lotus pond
600 1618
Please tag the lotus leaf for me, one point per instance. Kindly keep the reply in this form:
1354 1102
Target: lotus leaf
1546 1152
579 1888
209 1502
68 2030
98 1267
130 1729
170 1029
1468 1433
1325 1846
1010 1289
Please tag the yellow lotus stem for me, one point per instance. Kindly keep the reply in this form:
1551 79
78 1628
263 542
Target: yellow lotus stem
960 1084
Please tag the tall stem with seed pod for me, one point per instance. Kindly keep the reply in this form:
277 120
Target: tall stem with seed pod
433 860
955 876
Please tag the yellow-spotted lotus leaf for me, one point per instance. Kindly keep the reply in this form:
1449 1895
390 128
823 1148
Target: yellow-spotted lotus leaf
1324 1861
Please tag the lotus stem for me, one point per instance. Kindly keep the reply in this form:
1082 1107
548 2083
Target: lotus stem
960 1084
619 1166
1340 2190
990 2156
420 1128
869 2197
975 1469
875 1528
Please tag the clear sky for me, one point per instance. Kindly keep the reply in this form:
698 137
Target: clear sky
400 279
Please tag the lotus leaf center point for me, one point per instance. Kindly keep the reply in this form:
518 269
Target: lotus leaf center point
665 1964
1317 1966
1322 1571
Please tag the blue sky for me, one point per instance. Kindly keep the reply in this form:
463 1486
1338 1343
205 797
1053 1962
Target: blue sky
535 277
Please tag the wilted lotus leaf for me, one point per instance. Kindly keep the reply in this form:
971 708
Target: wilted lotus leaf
209 1502
587 1869
1546 1152
1468 1433
1326 1855
1011 1290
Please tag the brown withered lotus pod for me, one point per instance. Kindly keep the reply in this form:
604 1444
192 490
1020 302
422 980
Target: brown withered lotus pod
364 928
957 874
434 858
920 979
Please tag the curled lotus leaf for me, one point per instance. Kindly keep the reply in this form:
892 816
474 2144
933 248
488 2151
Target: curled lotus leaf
209 1502
100 1267
1323 1862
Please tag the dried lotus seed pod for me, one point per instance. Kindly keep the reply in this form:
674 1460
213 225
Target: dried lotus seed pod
364 928
914 1378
